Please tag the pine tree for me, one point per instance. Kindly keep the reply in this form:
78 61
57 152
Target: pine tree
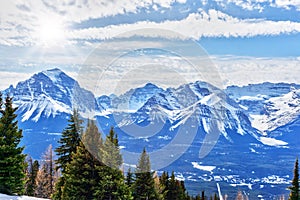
45 177
164 182
80 175
112 184
294 194
129 178
176 189
12 161
111 152
69 141
144 184
31 172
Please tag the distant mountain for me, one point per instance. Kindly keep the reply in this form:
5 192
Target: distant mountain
269 105
48 94
200 102
131 100
249 134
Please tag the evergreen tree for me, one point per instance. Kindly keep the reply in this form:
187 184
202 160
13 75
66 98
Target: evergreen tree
294 194
80 175
32 170
45 176
164 182
203 195
198 197
12 161
176 189
92 140
112 184
111 152
144 184
69 141
129 178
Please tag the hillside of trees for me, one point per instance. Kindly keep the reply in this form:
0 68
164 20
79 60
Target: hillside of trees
86 165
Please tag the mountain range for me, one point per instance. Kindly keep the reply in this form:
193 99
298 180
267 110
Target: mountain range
240 137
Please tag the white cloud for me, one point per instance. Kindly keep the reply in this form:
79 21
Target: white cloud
288 3
127 73
20 20
257 4
247 70
196 25
12 78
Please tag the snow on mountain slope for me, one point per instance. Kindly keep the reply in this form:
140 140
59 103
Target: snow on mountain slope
48 94
269 105
200 102
131 100
279 111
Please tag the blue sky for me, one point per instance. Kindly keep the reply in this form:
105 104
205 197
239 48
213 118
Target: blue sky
256 34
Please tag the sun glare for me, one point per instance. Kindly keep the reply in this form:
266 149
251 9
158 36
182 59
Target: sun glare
50 32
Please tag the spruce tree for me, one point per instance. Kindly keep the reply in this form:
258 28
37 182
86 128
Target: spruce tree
31 172
294 194
12 160
129 178
164 182
111 151
176 189
69 141
112 184
80 175
144 188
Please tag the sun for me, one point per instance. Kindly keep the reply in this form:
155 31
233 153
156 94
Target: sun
50 32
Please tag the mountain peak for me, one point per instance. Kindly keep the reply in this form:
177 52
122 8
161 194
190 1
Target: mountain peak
53 74
150 85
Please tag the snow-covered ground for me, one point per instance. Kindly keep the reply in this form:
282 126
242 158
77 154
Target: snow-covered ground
7 197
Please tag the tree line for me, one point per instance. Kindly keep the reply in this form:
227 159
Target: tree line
86 167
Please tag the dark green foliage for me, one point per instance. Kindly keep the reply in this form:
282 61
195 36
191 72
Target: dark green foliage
69 141
59 185
86 176
31 172
175 189
112 184
80 175
129 178
164 182
144 187
294 194
12 161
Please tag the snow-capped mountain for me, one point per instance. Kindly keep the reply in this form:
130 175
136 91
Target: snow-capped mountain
200 102
48 94
269 105
131 100
259 121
